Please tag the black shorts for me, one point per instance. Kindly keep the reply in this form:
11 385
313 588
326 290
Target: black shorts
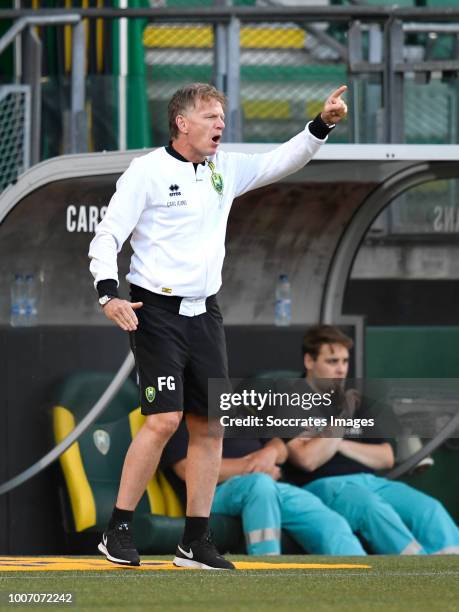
176 355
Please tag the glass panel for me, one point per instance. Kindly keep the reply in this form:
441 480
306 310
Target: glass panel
407 267
415 237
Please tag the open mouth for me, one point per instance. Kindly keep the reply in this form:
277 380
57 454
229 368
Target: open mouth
216 139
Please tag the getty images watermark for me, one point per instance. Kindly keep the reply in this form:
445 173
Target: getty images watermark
264 407
375 408
252 398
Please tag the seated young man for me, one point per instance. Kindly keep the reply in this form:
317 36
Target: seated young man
392 517
248 487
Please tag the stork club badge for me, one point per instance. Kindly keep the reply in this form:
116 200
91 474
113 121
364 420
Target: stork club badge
216 178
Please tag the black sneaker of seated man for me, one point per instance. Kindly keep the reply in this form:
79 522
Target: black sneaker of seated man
201 554
118 545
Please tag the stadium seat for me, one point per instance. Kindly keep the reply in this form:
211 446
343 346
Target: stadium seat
91 470
92 466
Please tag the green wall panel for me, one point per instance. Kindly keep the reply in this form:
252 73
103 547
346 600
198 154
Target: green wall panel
412 352
421 352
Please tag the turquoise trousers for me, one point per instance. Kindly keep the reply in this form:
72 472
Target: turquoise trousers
392 517
267 506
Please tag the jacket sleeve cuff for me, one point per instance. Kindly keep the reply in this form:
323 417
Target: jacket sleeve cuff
107 287
319 128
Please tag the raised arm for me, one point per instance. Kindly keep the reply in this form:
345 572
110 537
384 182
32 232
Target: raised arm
253 171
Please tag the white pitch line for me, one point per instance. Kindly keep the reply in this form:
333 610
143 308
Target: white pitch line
300 572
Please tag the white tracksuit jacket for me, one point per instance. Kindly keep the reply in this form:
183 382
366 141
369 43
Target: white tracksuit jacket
178 219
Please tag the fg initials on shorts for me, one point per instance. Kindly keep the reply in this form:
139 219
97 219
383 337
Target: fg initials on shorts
166 381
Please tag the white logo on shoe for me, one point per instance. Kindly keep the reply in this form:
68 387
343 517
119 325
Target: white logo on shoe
189 555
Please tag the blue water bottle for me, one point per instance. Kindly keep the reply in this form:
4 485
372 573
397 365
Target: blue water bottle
31 300
283 307
17 306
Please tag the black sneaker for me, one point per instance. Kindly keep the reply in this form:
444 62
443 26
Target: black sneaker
118 546
201 554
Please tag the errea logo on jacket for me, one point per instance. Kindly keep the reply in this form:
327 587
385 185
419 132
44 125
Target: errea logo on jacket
174 190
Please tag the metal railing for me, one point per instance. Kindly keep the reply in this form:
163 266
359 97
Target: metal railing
104 400
14 132
270 94
31 71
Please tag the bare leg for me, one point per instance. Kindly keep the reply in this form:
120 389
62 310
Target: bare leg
143 457
202 466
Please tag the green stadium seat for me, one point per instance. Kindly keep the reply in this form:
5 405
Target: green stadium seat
91 470
92 466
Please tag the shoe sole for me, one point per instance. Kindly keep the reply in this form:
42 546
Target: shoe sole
179 562
105 552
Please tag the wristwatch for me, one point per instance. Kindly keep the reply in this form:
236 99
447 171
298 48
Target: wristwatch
105 299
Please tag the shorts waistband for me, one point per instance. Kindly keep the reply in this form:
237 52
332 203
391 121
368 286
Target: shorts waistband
171 303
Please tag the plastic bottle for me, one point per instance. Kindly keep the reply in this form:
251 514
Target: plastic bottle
283 307
17 309
31 300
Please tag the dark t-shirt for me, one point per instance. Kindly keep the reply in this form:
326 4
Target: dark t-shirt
338 465
177 447
385 426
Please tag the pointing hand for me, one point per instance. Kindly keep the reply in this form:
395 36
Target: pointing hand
335 109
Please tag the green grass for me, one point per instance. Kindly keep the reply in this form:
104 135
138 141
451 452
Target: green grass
405 584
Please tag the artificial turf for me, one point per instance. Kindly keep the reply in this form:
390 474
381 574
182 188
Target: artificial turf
405 584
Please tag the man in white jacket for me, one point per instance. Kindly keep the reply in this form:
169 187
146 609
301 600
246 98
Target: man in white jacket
175 202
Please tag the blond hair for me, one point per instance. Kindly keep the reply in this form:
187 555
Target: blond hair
186 97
